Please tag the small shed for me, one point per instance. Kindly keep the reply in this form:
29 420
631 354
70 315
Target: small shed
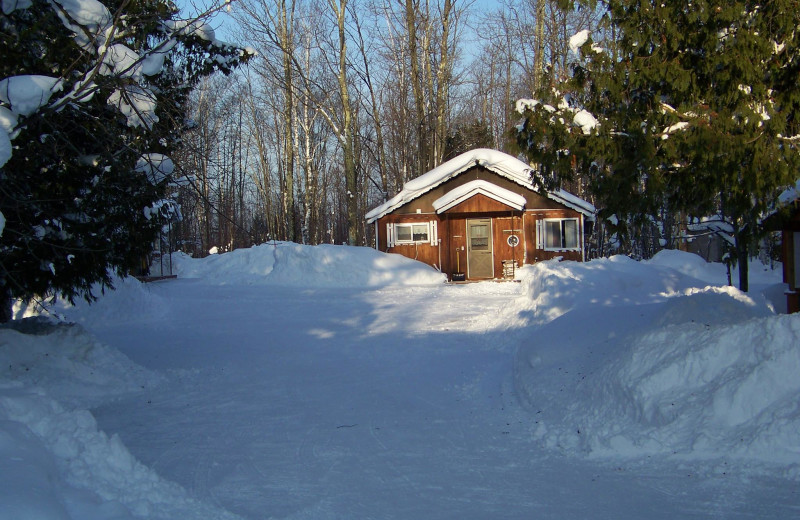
478 216
789 222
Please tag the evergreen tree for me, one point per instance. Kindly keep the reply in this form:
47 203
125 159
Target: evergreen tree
698 110
92 99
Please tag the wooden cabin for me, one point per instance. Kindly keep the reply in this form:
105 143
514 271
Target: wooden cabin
479 217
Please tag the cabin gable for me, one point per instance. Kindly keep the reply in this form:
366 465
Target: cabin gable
478 203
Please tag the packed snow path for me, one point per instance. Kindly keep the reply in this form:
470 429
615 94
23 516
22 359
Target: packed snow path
372 403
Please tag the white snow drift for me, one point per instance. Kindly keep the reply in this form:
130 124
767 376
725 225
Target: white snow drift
635 359
286 263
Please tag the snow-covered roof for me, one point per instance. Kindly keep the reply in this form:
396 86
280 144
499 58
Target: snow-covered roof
498 162
790 195
462 193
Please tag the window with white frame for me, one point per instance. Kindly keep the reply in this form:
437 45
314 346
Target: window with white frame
558 234
411 233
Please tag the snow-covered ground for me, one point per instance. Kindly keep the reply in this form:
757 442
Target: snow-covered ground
286 381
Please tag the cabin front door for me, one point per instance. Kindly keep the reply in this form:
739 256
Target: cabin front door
480 257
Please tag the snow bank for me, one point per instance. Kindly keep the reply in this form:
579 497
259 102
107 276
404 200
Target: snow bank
285 263
130 300
708 389
554 288
636 359
56 463
67 362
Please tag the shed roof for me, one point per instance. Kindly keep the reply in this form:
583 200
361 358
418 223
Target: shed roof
790 195
498 162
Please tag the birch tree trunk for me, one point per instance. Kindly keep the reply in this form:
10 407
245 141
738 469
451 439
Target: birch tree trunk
346 138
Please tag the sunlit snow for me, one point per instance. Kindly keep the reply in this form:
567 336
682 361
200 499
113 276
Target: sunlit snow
577 40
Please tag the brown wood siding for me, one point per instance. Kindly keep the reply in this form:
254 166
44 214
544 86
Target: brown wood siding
454 245
532 254
504 227
451 230
480 203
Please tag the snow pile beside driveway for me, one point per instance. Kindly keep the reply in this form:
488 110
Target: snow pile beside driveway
637 359
57 465
710 390
289 264
67 363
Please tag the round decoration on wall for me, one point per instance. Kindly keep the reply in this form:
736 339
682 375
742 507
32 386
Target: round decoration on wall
513 240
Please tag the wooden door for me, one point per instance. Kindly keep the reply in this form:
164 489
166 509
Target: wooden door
480 257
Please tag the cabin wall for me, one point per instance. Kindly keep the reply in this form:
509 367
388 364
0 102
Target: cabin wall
503 228
452 236
532 254
423 252
454 245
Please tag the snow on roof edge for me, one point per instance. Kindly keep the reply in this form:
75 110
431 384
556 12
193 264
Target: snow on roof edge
462 193
494 160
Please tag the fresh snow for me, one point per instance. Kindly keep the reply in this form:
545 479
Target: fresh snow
10 6
586 121
681 125
791 194
155 166
89 20
26 94
577 40
121 61
288 381
5 147
194 27
137 104
8 120
153 62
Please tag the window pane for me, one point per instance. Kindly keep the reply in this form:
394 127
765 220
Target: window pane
420 232
570 234
552 234
403 232
479 244
479 231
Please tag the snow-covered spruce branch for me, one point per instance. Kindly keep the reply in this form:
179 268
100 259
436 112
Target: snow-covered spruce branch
93 25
